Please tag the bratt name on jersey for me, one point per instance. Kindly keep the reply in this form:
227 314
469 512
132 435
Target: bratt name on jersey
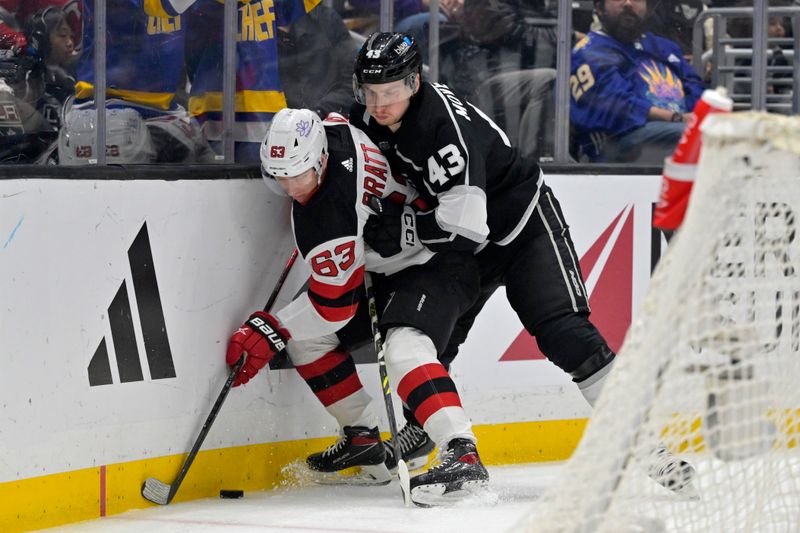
375 169
458 107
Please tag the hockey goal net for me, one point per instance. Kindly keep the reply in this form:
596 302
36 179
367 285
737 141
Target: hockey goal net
710 368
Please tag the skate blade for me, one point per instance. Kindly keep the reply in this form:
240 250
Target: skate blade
365 475
439 495
405 482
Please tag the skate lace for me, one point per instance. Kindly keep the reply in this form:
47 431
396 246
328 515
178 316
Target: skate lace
443 458
408 437
335 448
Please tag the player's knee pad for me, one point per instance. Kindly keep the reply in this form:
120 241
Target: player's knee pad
407 348
303 352
573 344
128 140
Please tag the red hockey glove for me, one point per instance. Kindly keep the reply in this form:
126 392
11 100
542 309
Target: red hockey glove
260 338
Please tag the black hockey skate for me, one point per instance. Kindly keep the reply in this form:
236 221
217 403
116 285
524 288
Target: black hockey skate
672 472
459 474
415 447
359 447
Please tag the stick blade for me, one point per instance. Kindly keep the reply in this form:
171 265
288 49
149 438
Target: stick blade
405 481
156 491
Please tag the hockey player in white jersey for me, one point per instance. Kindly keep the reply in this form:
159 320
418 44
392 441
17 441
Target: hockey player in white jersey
332 170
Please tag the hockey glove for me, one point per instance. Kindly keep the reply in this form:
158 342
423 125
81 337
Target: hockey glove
392 229
259 338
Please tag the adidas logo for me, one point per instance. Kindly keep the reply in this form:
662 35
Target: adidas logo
348 164
121 322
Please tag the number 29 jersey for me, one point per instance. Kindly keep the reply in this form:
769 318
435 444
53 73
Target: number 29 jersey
328 231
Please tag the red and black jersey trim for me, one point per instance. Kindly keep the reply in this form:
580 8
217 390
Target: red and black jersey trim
427 389
337 309
332 377
327 290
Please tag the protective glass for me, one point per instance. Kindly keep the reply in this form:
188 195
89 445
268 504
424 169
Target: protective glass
382 94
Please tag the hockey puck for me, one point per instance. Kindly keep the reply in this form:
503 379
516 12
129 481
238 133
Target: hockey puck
231 494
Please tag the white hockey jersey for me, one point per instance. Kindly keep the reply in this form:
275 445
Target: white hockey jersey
328 231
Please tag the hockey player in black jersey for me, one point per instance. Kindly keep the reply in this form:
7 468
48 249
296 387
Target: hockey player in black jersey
333 171
478 194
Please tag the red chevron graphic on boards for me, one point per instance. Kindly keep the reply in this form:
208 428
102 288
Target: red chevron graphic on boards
610 298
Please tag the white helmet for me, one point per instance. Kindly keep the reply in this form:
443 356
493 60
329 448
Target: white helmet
127 138
295 143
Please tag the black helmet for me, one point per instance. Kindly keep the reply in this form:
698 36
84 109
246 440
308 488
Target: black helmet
387 57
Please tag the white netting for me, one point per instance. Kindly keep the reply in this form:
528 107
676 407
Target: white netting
711 365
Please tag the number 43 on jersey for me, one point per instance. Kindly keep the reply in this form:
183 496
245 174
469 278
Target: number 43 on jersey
445 164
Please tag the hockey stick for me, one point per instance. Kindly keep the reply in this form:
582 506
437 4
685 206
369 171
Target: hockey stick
161 493
402 468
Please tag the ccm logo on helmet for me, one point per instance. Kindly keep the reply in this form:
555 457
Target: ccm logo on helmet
268 332
277 151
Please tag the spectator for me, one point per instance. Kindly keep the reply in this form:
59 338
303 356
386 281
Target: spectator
631 91
521 102
523 28
50 39
38 76
259 91
144 68
413 17
519 70
316 62
14 13
489 38
24 133
674 19
778 83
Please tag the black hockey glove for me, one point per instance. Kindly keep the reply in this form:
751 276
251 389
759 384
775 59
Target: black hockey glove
391 229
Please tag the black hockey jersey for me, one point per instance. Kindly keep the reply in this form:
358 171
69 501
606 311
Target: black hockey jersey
474 184
328 231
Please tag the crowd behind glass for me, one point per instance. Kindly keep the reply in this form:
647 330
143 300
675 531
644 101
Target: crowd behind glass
632 79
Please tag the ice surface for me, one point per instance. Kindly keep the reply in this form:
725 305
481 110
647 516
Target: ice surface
341 509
